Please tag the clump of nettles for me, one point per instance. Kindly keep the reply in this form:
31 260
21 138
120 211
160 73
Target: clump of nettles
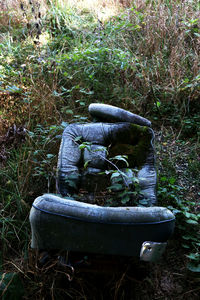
124 189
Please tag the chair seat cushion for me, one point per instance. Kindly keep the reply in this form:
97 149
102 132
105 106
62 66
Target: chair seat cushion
65 224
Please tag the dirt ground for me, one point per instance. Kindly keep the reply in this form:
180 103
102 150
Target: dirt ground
98 277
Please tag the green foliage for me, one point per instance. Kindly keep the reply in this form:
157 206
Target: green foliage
45 142
91 71
13 208
191 126
29 170
125 188
11 287
187 218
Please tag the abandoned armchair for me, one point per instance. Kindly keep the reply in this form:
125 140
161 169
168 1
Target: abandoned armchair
106 190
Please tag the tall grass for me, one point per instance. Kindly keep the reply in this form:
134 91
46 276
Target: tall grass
160 43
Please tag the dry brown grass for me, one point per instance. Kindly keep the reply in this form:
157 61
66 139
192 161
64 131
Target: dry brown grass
44 104
40 107
103 9
166 45
14 13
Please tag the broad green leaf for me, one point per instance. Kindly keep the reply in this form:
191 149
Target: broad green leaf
69 111
115 175
158 103
190 221
64 124
78 138
50 155
193 267
11 287
193 256
82 146
86 164
125 199
185 246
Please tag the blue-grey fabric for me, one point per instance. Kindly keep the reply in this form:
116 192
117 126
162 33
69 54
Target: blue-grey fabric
65 224
102 135
56 205
106 112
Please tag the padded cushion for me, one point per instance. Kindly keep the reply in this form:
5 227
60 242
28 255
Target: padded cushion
105 112
58 223
54 205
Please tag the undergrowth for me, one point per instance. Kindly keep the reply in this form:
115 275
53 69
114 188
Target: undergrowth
55 59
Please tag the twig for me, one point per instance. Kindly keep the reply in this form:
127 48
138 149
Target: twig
191 291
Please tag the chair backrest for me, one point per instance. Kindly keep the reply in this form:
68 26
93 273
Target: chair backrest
86 158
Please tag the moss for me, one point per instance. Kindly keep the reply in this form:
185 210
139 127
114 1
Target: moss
135 145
